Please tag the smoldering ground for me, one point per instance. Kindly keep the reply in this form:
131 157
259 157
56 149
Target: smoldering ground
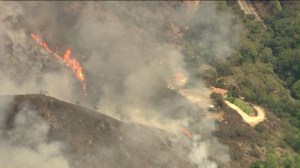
129 52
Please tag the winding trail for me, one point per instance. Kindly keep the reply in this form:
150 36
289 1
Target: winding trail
252 121
199 97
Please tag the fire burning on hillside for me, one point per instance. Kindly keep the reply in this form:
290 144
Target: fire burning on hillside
71 63
135 67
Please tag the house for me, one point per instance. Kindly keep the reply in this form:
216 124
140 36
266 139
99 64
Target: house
221 91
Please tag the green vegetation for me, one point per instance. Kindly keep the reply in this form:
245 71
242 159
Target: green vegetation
296 89
264 68
241 104
273 160
260 128
217 98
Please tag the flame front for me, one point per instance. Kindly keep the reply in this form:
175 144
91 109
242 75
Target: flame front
76 67
71 63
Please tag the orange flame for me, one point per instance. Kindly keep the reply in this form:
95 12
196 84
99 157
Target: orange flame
186 132
41 43
76 67
71 63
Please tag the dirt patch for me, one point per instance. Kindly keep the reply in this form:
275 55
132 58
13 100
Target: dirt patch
200 97
218 116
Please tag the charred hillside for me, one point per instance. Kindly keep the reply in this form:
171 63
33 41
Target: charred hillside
92 139
126 60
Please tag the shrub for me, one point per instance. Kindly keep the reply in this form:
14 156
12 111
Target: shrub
255 153
260 128
217 98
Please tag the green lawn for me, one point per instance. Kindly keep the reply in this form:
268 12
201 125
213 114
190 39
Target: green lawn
241 104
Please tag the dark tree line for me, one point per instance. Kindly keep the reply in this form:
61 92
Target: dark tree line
265 69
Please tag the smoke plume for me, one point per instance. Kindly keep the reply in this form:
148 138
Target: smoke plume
129 52
26 145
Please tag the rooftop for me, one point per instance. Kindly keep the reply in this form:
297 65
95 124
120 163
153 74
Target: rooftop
219 90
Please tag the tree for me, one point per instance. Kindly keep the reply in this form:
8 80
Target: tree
296 89
288 161
272 160
210 75
260 128
217 98
223 67
266 55
293 140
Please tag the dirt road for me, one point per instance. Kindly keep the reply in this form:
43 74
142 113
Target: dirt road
200 97
248 8
252 121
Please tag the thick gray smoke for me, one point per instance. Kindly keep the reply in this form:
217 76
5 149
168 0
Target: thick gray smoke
129 52
26 68
26 145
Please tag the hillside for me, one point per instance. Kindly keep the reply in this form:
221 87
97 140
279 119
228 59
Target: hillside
87 135
126 84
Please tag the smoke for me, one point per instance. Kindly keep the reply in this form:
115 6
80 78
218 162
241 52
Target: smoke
26 68
25 144
129 52
50 82
217 33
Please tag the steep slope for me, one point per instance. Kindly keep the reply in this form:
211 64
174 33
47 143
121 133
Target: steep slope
92 139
